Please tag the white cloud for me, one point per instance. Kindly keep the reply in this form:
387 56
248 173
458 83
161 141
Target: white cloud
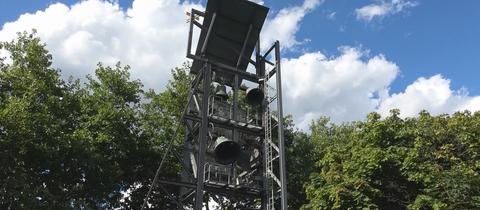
351 85
285 24
343 88
5 56
382 8
258 1
150 36
432 94
331 15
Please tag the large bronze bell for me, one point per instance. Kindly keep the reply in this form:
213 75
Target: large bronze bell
226 150
254 96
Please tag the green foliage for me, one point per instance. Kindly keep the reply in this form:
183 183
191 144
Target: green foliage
415 163
300 158
37 117
159 118
67 145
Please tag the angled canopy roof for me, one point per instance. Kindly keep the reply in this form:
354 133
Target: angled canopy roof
230 30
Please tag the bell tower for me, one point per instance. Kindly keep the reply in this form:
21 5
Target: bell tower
234 144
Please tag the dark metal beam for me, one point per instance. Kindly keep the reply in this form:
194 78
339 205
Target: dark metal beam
272 72
204 47
269 51
215 188
190 33
184 167
258 59
281 140
179 205
203 138
269 62
244 45
198 12
228 69
222 124
235 104
199 25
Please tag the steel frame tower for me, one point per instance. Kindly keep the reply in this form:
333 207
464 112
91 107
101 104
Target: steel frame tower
233 150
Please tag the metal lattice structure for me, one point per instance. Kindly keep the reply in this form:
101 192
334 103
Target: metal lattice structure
234 146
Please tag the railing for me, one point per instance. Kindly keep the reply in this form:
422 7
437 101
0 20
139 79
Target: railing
220 174
224 109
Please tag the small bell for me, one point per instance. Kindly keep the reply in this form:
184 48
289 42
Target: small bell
220 90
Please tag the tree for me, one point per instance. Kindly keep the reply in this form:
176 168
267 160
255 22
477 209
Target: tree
37 118
67 145
445 159
161 114
414 163
300 161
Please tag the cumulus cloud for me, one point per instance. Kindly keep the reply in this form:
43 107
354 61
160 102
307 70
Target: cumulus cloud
349 86
382 8
285 24
150 36
344 88
433 94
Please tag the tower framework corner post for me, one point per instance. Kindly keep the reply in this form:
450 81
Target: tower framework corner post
203 138
281 135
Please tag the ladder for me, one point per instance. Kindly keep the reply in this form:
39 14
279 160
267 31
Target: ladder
271 150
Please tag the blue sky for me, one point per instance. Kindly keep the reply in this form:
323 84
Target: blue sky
433 37
419 45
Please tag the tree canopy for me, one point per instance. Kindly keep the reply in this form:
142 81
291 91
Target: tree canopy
428 162
74 145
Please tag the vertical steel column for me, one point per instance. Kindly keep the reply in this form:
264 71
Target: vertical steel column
281 142
260 67
190 34
203 138
235 88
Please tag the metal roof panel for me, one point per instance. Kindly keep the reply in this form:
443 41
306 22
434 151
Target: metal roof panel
229 32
